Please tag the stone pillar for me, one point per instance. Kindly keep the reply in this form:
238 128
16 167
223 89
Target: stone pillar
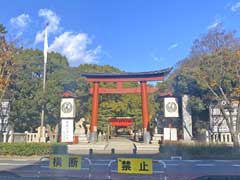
145 115
94 116
4 137
186 119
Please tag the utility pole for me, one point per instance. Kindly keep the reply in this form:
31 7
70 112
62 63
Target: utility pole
42 139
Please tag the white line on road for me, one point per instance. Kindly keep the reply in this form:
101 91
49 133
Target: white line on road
84 169
236 165
44 166
103 160
192 160
17 164
158 172
205 164
172 164
99 164
223 160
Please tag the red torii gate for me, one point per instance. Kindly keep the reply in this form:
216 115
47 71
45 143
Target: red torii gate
119 78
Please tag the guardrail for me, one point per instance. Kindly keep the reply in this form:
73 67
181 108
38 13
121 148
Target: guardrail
109 166
90 168
156 161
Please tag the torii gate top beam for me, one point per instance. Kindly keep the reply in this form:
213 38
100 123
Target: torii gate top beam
127 76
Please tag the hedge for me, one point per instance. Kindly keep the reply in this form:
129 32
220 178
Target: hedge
29 149
199 151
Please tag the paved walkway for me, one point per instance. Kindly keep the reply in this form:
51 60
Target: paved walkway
121 145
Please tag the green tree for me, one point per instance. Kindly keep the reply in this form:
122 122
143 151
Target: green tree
211 73
8 53
28 96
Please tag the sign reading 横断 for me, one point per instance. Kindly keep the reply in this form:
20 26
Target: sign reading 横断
134 166
170 107
65 162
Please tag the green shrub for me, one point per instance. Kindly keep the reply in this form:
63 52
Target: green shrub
199 151
59 149
29 149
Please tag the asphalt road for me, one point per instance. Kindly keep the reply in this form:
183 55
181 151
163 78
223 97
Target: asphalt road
176 170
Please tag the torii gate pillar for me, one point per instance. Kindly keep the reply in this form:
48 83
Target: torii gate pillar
94 115
145 114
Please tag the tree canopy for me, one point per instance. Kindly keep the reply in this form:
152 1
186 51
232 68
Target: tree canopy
210 74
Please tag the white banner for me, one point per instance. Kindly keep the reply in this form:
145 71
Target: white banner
67 108
170 134
67 130
170 107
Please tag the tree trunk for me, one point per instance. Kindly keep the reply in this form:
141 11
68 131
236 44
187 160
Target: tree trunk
237 133
235 138
1 136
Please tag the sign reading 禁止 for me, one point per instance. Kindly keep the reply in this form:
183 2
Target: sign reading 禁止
170 107
65 162
67 130
67 108
135 166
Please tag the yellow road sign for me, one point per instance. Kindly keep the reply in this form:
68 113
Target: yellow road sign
135 166
65 162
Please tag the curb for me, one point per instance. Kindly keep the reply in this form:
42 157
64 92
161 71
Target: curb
22 158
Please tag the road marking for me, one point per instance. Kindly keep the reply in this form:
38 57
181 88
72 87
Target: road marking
20 160
172 164
44 166
158 172
205 164
183 160
103 160
84 169
223 160
176 157
236 165
99 164
16 164
80 169
192 160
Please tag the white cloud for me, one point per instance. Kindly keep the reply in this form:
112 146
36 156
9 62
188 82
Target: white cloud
173 46
214 24
235 7
20 21
53 23
39 37
75 48
156 58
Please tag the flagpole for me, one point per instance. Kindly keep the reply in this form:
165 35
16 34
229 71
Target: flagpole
42 139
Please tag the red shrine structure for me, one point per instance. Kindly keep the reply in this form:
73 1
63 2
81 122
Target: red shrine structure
121 121
119 79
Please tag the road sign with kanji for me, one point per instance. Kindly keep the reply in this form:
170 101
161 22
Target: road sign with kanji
65 162
134 166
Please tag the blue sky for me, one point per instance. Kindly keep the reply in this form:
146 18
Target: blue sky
133 35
